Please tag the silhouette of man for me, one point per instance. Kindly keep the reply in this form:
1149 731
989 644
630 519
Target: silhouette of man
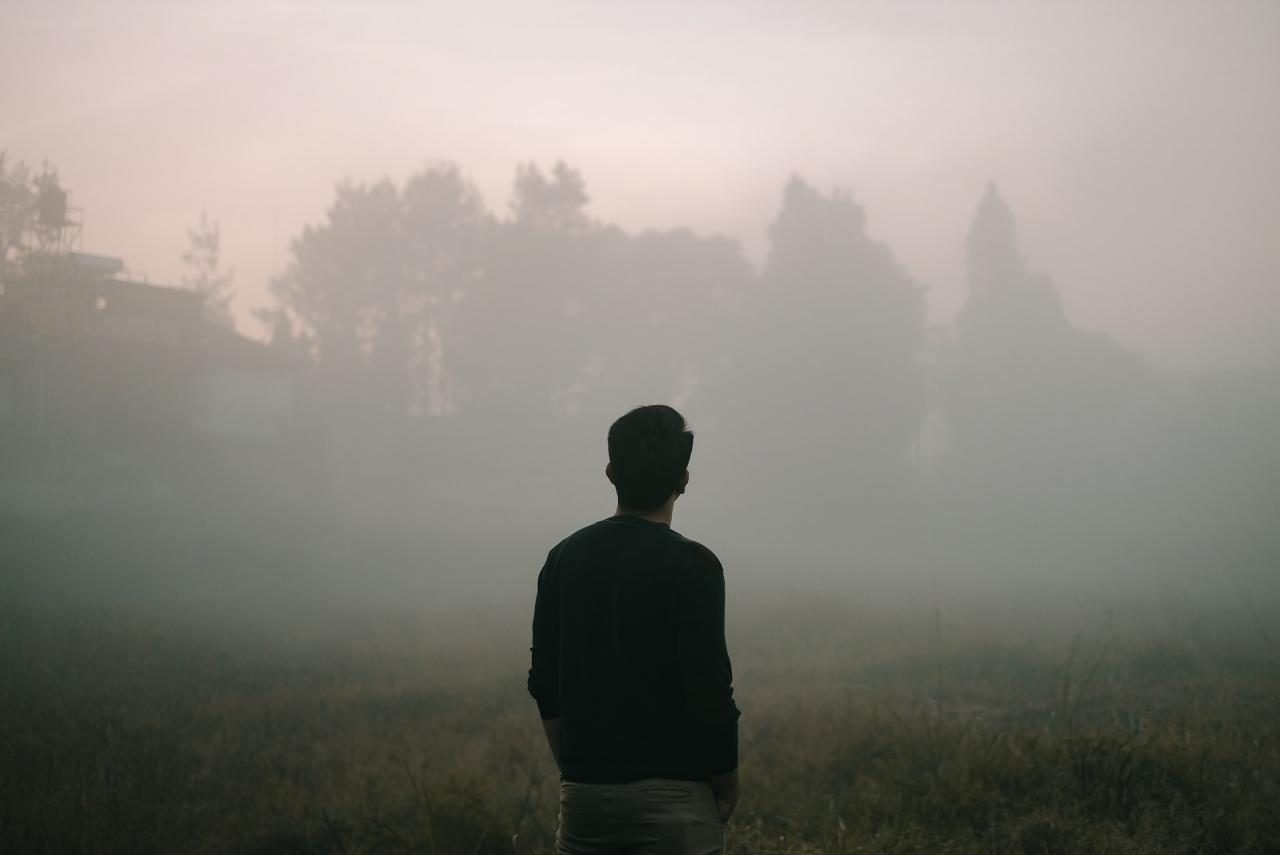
630 669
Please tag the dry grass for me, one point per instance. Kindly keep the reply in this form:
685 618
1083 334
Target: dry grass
137 727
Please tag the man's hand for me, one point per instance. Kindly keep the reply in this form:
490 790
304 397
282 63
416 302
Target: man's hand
725 789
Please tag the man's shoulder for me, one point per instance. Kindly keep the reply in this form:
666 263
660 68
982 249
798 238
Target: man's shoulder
702 558
586 534
699 554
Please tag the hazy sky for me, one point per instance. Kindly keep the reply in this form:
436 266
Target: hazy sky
1139 143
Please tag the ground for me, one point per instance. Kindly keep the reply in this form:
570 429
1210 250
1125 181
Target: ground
163 698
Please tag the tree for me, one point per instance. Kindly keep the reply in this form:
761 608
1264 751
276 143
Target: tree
661 318
17 212
204 276
515 342
556 204
1042 416
373 286
575 319
835 345
1023 384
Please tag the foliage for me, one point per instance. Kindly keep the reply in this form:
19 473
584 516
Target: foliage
19 201
554 204
424 304
17 208
371 287
450 343
828 369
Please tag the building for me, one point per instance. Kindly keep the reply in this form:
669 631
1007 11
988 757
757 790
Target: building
114 390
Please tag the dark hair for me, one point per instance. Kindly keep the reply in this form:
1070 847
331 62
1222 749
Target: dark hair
649 448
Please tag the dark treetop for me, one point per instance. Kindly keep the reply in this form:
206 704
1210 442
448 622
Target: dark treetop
629 654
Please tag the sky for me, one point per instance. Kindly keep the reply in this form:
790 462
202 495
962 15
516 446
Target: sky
1138 143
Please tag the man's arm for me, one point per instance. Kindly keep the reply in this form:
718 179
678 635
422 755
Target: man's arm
551 727
707 676
544 669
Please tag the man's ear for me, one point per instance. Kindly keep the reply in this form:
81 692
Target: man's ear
608 473
684 483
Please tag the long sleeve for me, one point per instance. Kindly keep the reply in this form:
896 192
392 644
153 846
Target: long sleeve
544 670
705 670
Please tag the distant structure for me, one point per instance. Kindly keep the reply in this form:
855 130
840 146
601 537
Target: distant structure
114 390
1005 296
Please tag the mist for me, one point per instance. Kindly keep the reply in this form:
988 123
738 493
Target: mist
314 317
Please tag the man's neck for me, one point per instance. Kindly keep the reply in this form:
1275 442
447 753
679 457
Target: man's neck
661 514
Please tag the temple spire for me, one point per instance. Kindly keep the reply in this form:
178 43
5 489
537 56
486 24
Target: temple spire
1003 291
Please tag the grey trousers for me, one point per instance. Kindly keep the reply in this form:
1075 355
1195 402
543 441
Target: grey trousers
655 816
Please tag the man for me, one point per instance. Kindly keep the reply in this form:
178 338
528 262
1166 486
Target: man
630 669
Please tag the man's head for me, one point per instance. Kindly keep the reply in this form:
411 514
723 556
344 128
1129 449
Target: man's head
649 451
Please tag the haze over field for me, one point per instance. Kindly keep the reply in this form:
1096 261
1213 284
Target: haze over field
971 306
1138 142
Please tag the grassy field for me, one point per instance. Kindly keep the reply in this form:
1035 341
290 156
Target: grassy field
155 702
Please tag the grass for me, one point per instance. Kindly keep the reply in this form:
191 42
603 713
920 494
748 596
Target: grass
280 723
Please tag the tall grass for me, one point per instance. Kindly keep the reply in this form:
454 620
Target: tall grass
132 725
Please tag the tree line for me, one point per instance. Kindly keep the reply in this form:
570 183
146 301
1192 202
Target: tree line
458 359
510 338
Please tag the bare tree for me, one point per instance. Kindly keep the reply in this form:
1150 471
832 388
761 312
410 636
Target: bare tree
204 273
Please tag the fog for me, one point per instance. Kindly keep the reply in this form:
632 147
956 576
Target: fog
941 287
314 317
953 291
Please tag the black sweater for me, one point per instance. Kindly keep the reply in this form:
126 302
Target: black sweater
629 653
